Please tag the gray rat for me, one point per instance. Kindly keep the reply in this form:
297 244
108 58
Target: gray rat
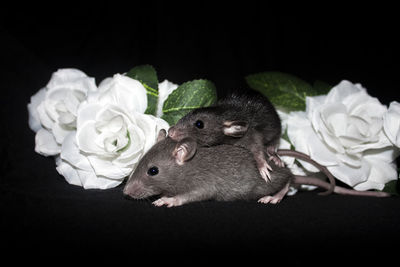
183 172
248 121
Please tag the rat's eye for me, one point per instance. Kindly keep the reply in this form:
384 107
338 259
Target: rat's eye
199 124
152 171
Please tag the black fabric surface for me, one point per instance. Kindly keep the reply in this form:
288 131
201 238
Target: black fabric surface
40 210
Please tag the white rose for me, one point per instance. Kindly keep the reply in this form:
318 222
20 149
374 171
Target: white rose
343 130
112 135
391 123
53 109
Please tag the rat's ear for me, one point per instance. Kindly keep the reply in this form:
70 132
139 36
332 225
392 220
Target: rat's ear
235 128
162 134
184 150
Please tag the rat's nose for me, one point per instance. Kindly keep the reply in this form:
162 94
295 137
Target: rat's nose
126 191
172 132
131 189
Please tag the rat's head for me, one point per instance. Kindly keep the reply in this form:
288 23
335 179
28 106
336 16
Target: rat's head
207 126
157 171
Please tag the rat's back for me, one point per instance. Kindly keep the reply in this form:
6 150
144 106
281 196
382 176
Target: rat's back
250 104
232 173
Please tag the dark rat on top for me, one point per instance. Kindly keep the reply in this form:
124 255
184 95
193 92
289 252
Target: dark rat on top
248 121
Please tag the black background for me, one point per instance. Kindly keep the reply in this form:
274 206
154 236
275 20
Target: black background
222 44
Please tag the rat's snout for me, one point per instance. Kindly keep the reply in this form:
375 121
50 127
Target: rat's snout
175 133
135 189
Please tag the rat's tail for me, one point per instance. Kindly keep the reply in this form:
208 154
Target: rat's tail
307 180
323 169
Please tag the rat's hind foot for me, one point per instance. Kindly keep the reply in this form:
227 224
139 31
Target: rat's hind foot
277 160
269 199
275 198
168 201
273 156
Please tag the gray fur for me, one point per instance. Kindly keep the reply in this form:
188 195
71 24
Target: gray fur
209 174
262 118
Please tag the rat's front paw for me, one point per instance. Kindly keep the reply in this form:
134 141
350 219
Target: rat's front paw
264 170
168 201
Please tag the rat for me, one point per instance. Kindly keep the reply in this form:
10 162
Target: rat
245 120
248 121
183 172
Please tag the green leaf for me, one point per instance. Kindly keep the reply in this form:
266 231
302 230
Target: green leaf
147 75
285 91
188 96
173 117
392 187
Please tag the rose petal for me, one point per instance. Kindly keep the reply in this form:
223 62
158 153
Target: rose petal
46 121
87 179
63 76
114 125
45 143
305 140
105 167
353 159
91 181
382 141
86 138
73 100
136 147
391 123
105 84
161 124
151 136
147 124
386 154
60 132
125 92
350 175
313 103
71 153
36 100
110 111
381 173
72 79
284 117
319 151
283 144
165 88
297 122
335 118
323 126
341 91
52 100
364 106
70 174
66 118
87 112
